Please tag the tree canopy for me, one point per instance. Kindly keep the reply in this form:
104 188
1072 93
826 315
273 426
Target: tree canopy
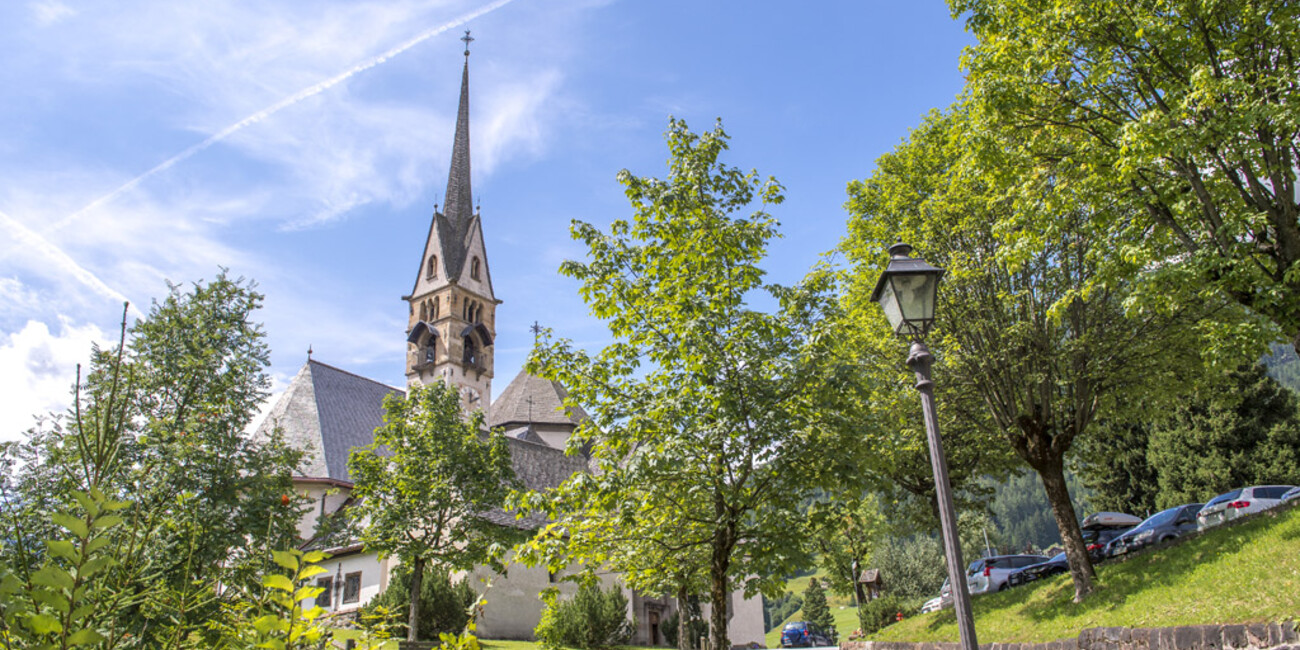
426 483
703 409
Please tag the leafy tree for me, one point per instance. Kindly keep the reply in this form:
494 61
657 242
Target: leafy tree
426 482
815 609
1026 330
444 606
847 533
702 407
159 424
1183 112
911 567
776 610
1244 432
1114 465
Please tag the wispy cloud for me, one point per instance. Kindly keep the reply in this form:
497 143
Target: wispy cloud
40 369
291 100
48 12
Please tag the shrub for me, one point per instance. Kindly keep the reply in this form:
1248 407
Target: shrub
591 620
696 628
879 612
444 607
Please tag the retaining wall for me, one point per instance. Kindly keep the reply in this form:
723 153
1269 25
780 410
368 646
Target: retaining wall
1249 636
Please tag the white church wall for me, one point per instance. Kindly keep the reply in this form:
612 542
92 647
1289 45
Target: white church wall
371 576
326 497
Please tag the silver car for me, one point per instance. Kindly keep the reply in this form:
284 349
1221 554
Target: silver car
1230 505
989 574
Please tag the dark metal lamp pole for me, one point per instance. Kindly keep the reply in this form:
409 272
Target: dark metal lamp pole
906 291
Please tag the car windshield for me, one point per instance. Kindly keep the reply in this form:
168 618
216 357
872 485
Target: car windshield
1227 496
795 626
1159 519
975 567
1059 557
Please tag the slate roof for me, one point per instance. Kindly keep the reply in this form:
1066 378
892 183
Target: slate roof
328 411
538 467
512 407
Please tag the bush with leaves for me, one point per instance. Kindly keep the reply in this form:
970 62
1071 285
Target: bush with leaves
882 611
591 620
696 628
444 606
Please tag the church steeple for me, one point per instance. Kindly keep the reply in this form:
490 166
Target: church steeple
460 204
452 307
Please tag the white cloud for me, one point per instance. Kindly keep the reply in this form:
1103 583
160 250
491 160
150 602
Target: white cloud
39 370
48 12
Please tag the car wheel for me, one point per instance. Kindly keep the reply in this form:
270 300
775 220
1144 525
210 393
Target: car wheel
1004 587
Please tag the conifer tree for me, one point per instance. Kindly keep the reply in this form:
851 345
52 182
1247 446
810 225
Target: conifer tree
815 609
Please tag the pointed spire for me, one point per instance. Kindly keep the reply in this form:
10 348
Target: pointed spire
459 203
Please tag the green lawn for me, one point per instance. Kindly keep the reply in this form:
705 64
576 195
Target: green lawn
1239 574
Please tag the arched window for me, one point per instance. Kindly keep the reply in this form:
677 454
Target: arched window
433 267
424 311
436 302
473 269
471 351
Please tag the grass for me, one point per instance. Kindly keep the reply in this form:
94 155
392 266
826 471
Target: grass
1237 574
846 617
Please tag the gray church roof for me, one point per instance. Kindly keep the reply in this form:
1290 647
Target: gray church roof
533 400
327 411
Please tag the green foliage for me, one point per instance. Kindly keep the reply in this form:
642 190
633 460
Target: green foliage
846 533
444 607
776 610
1246 431
425 482
1023 517
911 567
1181 115
816 611
705 412
1114 464
696 628
591 620
879 612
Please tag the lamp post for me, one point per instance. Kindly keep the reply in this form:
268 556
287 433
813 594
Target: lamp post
906 291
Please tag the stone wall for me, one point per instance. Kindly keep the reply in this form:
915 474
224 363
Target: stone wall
1249 636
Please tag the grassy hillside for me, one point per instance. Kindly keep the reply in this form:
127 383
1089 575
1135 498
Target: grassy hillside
1238 574
846 617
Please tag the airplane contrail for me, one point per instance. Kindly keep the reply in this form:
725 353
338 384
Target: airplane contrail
277 107
26 237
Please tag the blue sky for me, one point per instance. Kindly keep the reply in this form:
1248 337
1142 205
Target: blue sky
304 144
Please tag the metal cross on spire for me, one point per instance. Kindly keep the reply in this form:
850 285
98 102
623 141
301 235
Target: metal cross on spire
536 329
467 38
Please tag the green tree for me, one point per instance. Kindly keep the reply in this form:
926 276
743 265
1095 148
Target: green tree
1114 464
1022 514
847 532
1184 112
1025 330
425 484
1242 432
815 609
444 606
159 422
702 407
911 567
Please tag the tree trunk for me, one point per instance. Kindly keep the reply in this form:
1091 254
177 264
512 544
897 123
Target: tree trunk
413 620
683 618
724 540
1052 474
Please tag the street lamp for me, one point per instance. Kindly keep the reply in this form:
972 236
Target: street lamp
906 291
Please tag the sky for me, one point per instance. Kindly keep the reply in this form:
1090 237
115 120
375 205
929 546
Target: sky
304 145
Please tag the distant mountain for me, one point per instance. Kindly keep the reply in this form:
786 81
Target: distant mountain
1283 365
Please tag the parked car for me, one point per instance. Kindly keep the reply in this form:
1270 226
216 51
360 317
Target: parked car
989 574
1162 526
1293 493
1230 505
932 605
803 634
1099 528
1057 564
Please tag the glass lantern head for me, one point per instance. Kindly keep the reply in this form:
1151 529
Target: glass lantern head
906 291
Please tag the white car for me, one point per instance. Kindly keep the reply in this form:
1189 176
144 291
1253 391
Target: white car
1231 505
1293 493
932 605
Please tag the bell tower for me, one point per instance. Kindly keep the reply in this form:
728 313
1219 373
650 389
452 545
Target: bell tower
451 328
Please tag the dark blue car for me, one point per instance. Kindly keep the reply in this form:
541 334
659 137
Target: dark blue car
803 635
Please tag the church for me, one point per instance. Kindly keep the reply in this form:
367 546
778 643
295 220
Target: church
327 411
